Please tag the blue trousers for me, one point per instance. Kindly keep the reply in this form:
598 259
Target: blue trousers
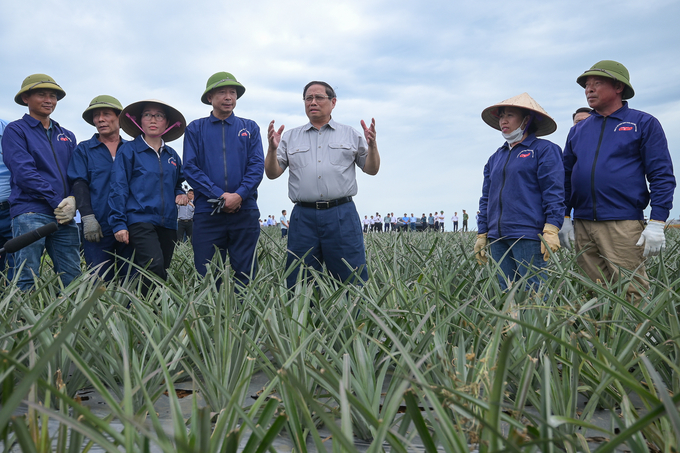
330 236
6 235
103 251
63 247
521 256
236 234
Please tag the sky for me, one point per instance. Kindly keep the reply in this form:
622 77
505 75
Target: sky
423 70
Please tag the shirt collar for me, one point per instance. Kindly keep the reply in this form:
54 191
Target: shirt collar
619 114
142 145
34 122
526 142
229 120
332 124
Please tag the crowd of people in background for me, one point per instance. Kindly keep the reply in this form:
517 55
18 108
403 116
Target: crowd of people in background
433 222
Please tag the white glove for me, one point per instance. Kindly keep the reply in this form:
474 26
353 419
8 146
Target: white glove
566 234
91 228
66 210
653 238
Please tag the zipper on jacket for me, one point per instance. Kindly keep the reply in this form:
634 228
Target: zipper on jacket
224 156
160 167
592 173
500 196
56 161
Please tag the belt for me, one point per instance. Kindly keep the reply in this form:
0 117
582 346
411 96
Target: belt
185 220
4 205
324 204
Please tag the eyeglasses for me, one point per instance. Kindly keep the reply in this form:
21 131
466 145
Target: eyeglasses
156 116
316 97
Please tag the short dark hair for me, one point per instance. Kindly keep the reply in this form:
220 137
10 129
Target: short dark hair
330 92
581 110
283 212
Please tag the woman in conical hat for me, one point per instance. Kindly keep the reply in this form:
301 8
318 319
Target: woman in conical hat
146 184
523 191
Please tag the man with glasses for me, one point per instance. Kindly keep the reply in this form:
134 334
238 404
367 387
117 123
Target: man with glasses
37 150
608 162
223 159
322 156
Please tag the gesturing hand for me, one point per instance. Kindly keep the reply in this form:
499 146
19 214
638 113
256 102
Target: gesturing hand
274 136
369 132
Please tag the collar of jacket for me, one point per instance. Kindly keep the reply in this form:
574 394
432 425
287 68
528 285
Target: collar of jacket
32 122
619 114
94 142
526 142
229 120
140 146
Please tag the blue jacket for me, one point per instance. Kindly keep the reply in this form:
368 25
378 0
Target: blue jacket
523 190
92 162
223 156
607 163
38 165
4 172
144 186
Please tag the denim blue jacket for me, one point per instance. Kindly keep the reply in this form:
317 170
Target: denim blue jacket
608 162
92 162
144 186
37 165
223 156
523 190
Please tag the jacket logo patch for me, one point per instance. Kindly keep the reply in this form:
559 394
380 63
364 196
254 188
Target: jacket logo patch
625 127
171 160
63 138
526 153
244 133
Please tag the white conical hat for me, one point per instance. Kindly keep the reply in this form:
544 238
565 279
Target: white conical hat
546 125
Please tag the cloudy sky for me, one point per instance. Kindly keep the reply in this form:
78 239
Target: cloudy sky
423 70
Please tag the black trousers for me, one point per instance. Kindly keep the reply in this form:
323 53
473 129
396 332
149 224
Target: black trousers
154 245
185 226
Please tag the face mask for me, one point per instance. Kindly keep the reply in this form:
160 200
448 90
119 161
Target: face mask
514 136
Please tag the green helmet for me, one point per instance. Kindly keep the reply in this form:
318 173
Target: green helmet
101 102
613 70
37 81
222 79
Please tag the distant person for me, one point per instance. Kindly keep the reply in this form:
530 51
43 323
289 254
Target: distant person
522 196
146 184
366 223
465 220
224 160
378 223
393 221
442 219
581 114
5 218
284 224
90 172
387 221
454 219
323 191
610 160
431 222
36 151
185 219
412 220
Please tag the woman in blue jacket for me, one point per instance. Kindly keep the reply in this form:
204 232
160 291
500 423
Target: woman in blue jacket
523 191
146 184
